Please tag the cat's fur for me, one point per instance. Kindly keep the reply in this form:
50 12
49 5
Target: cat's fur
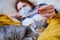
17 33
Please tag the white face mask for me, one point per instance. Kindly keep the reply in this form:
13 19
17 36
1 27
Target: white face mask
25 11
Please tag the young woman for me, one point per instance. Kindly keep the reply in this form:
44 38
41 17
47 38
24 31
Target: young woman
25 7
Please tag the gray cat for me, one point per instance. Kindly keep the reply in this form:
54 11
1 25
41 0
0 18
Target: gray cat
17 33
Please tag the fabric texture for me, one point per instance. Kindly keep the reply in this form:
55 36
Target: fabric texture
5 20
9 32
52 32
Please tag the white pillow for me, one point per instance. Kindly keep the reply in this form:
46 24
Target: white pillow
7 6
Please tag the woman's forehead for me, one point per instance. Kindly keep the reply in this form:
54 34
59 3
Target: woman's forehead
20 5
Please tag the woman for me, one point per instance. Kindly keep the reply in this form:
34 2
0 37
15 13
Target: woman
27 8
24 7
49 34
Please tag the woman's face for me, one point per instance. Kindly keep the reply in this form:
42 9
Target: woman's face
21 5
23 8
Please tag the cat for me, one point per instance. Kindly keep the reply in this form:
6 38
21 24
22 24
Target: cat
10 32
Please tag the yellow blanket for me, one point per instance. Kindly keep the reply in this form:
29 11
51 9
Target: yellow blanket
52 32
5 20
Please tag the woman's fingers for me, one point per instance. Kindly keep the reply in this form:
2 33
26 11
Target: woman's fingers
43 8
48 11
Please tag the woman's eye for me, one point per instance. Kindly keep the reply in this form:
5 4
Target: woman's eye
20 9
24 5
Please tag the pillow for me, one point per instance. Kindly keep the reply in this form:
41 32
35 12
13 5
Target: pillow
7 6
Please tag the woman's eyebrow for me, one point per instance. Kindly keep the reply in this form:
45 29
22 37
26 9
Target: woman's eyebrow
24 5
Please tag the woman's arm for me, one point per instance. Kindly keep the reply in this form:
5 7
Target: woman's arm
15 15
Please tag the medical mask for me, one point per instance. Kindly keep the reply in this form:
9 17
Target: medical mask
25 11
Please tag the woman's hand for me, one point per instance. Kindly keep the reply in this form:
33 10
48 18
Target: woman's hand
47 11
14 15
